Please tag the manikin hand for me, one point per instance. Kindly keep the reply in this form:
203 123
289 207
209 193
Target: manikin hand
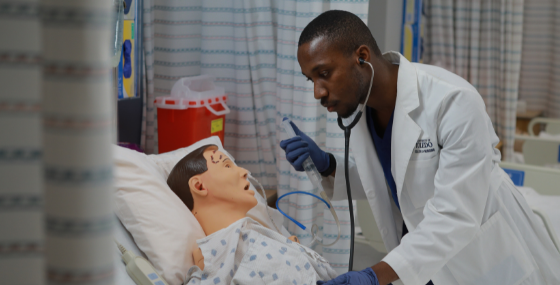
364 277
198 258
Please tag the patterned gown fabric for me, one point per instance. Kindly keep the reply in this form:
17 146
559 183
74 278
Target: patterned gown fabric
250 47
21 175
248 253
481 41
78 105
539 84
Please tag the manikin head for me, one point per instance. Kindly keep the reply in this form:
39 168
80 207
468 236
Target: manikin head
207 178
329 49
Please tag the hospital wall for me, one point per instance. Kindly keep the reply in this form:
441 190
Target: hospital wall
384 22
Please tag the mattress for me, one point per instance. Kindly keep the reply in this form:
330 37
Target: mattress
126 240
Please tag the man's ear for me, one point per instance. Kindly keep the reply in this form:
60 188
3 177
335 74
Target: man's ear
197 187
364 53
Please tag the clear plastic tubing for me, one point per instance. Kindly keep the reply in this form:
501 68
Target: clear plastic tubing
315 178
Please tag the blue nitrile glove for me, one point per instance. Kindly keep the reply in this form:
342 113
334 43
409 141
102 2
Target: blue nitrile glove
299 148
364 277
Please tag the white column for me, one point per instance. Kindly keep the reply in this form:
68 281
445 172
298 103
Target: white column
77 116
385 19
21 183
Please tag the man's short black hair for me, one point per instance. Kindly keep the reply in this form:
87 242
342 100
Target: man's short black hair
341 28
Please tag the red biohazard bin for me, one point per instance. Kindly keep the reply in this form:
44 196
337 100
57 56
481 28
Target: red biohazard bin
195 110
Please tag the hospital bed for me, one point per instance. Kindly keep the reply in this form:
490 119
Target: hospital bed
540 151
544 201
152 222
125 239
552 126
539 186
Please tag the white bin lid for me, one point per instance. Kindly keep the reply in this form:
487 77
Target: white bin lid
197 88
194 92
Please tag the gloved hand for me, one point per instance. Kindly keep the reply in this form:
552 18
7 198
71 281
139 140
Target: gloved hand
299 148
364 277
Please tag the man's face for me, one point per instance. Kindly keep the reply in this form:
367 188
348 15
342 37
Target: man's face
336 76
225 181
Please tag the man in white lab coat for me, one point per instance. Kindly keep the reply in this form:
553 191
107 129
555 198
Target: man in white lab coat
424 158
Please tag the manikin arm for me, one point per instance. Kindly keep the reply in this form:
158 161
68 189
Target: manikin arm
198 258
294 239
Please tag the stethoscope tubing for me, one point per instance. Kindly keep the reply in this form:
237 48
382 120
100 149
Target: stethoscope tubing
347 130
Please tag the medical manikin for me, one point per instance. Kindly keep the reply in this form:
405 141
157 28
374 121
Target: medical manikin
237 249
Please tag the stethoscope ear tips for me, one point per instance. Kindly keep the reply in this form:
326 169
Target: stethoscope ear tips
361 60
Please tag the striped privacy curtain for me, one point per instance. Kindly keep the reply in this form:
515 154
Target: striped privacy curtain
56 113
250 47
21 172
539 84
481 41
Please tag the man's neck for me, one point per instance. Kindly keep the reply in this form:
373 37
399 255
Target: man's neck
215 217
383 97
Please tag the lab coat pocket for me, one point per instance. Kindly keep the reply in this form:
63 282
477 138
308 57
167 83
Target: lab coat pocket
494 256
419 180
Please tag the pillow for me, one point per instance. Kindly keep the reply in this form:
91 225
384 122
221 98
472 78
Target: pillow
160 223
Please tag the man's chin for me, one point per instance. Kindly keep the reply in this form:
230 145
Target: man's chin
349 111
345 115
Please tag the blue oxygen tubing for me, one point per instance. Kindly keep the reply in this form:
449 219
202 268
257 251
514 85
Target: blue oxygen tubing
298 192
315 178
314 228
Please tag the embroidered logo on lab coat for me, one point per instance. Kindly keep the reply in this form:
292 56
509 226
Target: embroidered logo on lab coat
424 146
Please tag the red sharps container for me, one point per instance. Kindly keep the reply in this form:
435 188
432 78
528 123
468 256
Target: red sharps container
195 110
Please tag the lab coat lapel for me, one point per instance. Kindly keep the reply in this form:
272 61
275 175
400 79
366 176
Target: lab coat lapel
405 130
373 181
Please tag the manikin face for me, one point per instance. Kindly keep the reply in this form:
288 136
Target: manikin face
336 77
226 182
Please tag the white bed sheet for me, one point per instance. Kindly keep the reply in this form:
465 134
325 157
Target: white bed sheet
547 203
125 239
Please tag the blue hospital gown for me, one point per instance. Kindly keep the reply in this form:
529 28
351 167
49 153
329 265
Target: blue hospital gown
248 253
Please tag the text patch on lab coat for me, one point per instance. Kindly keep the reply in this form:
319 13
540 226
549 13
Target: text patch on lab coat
425 148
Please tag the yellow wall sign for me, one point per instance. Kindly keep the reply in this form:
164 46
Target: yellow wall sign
216 125
412 30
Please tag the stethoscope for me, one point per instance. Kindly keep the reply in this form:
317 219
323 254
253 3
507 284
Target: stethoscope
357 115
347 130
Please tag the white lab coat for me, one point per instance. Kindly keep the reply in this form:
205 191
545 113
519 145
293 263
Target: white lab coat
467 222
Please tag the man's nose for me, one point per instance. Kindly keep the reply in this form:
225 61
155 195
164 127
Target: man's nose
319 91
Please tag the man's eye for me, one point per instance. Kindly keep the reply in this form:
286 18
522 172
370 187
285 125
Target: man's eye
324 73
